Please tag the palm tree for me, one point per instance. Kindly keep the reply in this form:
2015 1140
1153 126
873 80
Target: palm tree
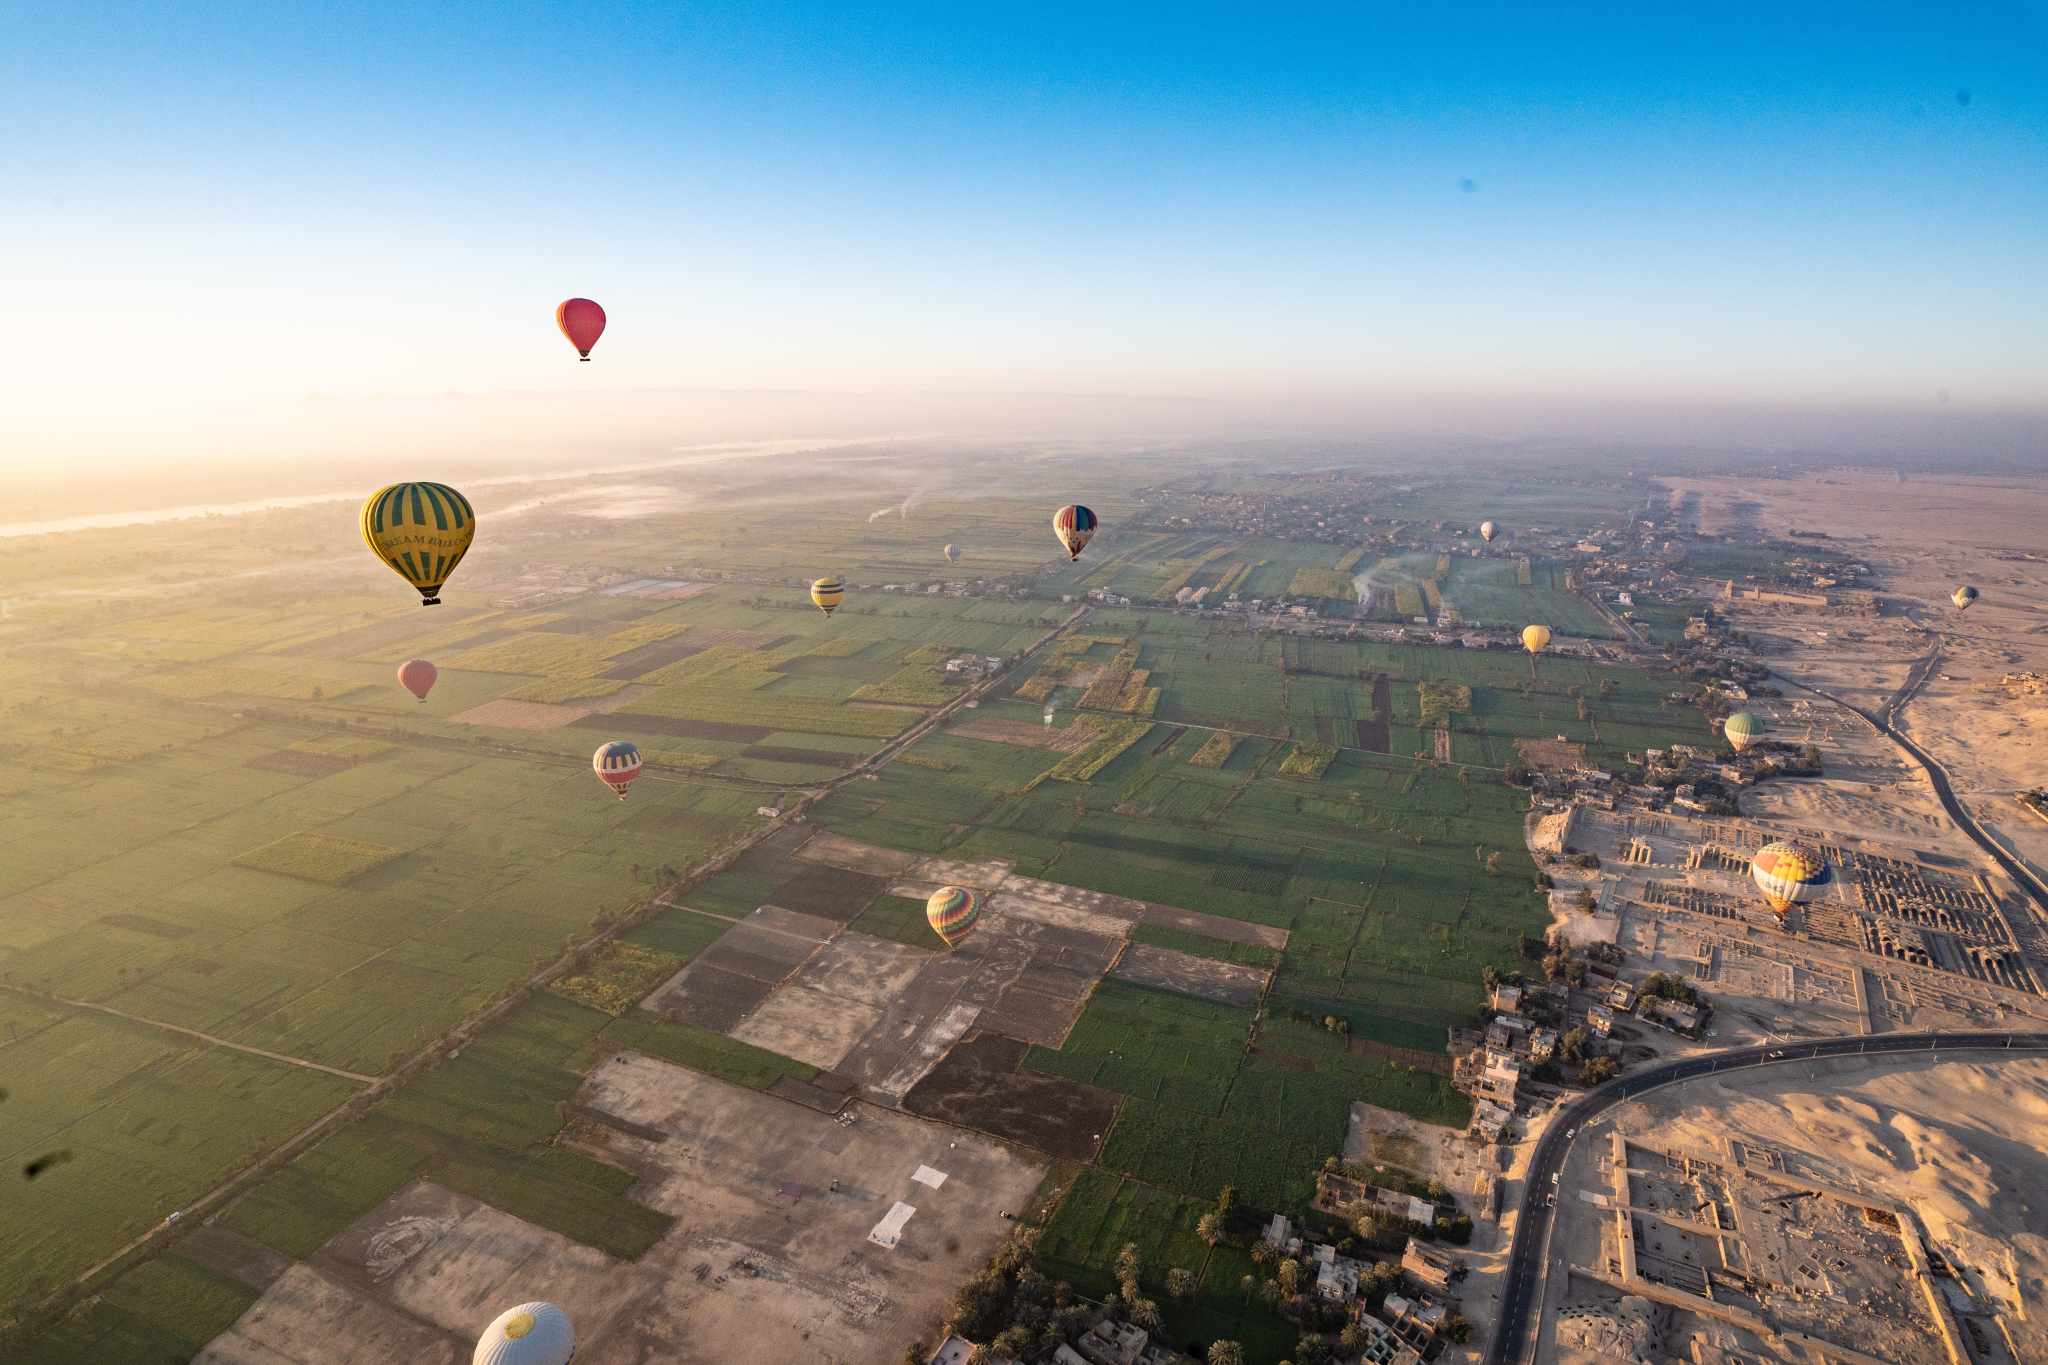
1226 1353
1248 1284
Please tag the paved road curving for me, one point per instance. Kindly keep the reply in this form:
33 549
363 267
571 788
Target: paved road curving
1938 775
1522 1291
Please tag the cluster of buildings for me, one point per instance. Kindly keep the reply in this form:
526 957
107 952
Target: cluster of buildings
1410 1316
974 665
1490 1066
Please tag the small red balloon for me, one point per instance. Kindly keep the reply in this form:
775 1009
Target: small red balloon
417 677
582 322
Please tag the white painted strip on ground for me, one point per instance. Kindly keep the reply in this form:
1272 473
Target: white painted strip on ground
945 1031
1592 1198
927 1176
889 1231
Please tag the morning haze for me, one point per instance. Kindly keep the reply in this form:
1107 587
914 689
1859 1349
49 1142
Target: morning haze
1124 688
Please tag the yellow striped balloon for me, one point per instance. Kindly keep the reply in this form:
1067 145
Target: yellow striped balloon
422 531
952 911
828 593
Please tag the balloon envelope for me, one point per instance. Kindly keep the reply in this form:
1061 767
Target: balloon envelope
1743 730
952 911
1789 874
531 1334
952 553
421 531
1535 637
1963 597
1489 530
582 322
417 677
828 593
1075 527
617 763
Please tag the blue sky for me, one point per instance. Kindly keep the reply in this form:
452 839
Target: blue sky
214 203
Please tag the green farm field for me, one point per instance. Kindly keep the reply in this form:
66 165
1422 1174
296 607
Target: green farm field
222 813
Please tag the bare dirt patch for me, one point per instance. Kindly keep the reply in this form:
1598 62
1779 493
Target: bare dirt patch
833 893
1551 755
770 1259
822 1012
837 850
1065 739
978 1086
1147 964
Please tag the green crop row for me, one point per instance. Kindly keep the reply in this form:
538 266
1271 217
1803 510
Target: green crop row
618 977
317 858
1322 583
1308 761
1117 736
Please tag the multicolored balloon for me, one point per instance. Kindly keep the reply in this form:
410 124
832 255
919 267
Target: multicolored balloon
1963 597
828 593
531 1334
1075 527
421 531
1789 874
952 911
1489 530
617 764
417 677
582 322
1534 638
1743 730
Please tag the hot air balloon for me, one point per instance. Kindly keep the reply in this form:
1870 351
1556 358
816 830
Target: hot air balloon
531 1334
1534 638
1963 597
952 911
828 593
417 677
617 763
952 553
1743 730
1489 530
1075 527
422 530
1790 874
582 322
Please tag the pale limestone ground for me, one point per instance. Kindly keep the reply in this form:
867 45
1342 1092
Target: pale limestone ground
1963 1143
1924 537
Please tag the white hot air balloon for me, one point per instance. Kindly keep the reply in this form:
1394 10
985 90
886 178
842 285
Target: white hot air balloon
531 1334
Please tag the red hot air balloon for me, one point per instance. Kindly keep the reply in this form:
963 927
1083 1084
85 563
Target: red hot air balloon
417 677
582 322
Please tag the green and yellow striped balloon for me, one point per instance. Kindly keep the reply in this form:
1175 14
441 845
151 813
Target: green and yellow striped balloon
422 531
953 911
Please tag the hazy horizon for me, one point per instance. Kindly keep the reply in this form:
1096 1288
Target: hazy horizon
1379 217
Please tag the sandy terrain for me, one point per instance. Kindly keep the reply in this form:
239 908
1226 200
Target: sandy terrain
1924 536
797 1238
1958 1146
